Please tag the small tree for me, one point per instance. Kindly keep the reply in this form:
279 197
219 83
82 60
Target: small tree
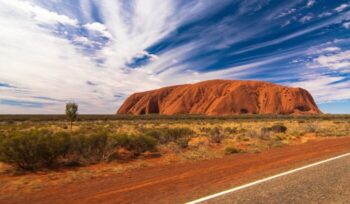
71 113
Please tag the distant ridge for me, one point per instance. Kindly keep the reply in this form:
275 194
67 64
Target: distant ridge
221 97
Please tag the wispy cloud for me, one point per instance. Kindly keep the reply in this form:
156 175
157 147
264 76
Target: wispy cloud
338 61
97 52
325 88
98 27
306 18
310 3
346 25
341 7
37 13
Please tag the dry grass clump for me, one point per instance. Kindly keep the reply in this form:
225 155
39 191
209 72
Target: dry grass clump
200 153
166 135
233 150
38 149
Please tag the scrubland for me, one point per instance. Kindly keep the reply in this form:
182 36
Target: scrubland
40 152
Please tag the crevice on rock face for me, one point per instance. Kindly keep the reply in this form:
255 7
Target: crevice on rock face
243 111
222 97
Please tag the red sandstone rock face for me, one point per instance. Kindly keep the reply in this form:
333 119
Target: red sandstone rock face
221 97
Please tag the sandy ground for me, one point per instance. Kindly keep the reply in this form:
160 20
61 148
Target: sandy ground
178 183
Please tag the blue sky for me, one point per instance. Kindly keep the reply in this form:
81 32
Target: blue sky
97 52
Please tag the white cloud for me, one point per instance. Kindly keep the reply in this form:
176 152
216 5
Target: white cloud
325 88
54 67
98 27
331 49
310 3
338 61
317 50
83 40
285 23
341 7
152 57
42 64
38 13
306 18
324 14
325 85
346 25
283 14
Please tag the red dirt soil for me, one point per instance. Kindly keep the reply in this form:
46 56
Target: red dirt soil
222 97
178 183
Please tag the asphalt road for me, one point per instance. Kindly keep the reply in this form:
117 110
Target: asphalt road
326 183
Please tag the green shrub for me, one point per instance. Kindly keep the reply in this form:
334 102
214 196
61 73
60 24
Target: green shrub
172 134
252 134
216 135
279 128
136 144
230 130
233 150
215 131
87 148
166 135
311 128
31 150
182 142
155 133
266 130
37 149
205 130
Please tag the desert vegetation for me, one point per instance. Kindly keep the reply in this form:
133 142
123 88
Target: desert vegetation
33 145
116 144
71 113
44 148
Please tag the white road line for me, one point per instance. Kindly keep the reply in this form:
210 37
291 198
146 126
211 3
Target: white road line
265 179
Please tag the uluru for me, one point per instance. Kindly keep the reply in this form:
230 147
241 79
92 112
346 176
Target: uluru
221 97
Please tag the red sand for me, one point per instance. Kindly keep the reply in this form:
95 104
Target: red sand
178 183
